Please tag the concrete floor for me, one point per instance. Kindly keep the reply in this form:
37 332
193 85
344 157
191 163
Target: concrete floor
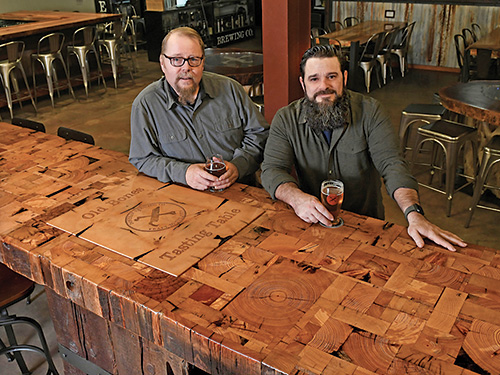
105 115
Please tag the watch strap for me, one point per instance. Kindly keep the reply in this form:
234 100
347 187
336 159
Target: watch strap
414 208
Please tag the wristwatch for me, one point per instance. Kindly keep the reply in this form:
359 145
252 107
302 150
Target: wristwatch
414 207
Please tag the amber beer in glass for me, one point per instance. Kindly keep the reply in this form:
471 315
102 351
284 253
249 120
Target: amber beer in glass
332 195
216 166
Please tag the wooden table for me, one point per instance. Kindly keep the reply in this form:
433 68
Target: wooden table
279 296
356 35
477 99
484 47
44 22
244 66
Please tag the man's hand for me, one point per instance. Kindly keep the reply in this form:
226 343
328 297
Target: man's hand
306 206
420 227
198 178
228 178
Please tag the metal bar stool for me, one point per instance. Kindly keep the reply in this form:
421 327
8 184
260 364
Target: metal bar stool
10 59
15 288
84 40
49 50
491 156
112 41
451 137
413 114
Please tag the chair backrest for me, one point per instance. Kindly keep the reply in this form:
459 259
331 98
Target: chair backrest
405 37
336 25
351 21
75 135
11 52
85 36
462 57
38 126
373 46
315 33
114 30
469 36
476 30
51 43
389 40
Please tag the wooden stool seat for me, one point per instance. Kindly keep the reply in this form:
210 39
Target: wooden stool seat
14 287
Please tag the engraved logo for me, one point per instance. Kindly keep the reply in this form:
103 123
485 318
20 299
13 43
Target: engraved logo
154 217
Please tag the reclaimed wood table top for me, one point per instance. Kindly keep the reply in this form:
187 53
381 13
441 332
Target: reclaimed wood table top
362 31
278 296
491 41
246 67
477 99
39 22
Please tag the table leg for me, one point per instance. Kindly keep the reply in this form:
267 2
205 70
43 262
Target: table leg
483 63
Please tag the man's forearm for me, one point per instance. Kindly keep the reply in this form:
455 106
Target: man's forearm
288 192
405 197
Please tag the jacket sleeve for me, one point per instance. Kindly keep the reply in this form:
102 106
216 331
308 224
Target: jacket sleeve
278 156
145 153
384 151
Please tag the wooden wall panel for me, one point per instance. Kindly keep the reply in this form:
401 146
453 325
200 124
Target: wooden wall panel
432 41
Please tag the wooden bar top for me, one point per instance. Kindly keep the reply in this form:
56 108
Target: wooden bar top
278 296
40 22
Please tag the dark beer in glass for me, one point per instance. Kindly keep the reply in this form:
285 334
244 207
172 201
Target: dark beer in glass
216 166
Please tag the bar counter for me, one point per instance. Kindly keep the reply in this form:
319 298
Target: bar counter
44 22
269 294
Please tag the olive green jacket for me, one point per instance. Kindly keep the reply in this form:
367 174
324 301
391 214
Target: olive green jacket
357 155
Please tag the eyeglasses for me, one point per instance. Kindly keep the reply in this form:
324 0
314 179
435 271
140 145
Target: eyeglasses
179 61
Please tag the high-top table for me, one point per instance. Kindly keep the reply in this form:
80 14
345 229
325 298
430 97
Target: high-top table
484 47
258 290
38 22
356 35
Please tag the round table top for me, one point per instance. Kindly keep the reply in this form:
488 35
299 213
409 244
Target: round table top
477 99
244 66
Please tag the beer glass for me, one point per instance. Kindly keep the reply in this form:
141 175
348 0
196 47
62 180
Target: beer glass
332 195
216 166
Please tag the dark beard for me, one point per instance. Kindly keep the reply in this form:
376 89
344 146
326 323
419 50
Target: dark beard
327 115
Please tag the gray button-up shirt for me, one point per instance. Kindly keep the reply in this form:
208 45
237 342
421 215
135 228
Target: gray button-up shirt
168 137
358 156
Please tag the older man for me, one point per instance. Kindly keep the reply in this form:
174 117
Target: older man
334 133
180 120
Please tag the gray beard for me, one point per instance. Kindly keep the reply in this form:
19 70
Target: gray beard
327 115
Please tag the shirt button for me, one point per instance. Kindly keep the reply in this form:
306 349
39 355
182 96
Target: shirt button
329 172
172 137
200 136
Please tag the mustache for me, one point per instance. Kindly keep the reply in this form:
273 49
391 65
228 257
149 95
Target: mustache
185 75
326 92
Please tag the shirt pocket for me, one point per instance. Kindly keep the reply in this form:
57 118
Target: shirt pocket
354 158
228 124
174 143
229 132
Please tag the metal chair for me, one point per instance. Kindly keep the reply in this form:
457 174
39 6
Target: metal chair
75 135
15 288
451 137
469 36
113 43
415 114
49 50
11 55
83 42
401 47
351 21
491 156
368 58
315 33
467 71
384 56
25 123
